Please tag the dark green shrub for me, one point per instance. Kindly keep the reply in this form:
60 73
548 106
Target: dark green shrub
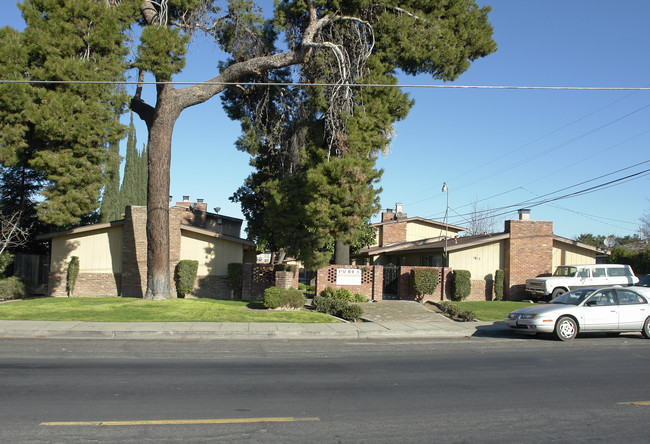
424 281
330 306
236 278
462 284
6 258
286 267
287 298
467 316
14 288
186 271
358 297
351 312
342 293
72 274
498 285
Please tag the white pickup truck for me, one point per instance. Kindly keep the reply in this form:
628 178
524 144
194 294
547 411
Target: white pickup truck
570 277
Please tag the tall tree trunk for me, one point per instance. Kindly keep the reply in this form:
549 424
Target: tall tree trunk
159 159
341 253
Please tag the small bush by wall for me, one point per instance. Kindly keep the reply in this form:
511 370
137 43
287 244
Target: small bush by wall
186 271
424 281
72 274
498 285
287 298
236 278
14 288
462 284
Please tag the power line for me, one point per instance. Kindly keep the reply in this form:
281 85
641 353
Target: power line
533 203
360 85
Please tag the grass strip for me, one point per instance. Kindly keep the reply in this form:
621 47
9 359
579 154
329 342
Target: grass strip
140 310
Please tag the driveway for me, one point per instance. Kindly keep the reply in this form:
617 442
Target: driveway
399 311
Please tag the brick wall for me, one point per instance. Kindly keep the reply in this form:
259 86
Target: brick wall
528 254
255 279
212 287
372 280
88 285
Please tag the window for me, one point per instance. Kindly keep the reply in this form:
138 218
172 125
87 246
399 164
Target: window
627 297
619 271
598 272
605 297
565 271
583 273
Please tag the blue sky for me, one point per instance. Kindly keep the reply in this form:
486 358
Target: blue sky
497 148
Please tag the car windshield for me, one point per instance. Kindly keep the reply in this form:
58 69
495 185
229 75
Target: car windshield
645 282
574 297
565 271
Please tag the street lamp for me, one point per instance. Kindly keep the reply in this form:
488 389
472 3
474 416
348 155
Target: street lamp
446 190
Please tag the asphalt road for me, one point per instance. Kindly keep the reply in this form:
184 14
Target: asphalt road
593 389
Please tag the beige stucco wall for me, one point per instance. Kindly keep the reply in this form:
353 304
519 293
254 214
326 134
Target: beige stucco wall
564 254
98 252
481 261
213 254
418 230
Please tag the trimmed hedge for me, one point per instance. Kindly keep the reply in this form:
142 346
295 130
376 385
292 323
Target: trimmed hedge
72 274
287 298
499 276
424 281
186 271
462 284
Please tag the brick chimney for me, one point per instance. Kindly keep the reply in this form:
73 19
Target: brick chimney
396 232
529 252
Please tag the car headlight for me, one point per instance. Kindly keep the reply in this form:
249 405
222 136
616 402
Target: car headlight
528 316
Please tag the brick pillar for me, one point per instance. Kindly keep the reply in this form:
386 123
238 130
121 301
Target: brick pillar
134 252
528 254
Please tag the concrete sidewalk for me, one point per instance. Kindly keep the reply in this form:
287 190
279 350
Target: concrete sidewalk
259 330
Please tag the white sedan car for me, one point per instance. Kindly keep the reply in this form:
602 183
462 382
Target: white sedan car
612 310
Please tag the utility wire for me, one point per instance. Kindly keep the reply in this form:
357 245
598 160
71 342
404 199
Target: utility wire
360 85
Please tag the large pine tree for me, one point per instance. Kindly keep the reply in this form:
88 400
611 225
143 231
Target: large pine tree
63 128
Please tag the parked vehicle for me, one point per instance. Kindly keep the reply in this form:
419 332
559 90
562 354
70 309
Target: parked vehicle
570 277
643 286
612 310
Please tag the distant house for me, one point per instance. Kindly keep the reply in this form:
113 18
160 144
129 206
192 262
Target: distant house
524 249
113 256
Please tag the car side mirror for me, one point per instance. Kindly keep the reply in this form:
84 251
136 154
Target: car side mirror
592 303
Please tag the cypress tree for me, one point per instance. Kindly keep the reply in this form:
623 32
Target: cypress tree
110 209
128 192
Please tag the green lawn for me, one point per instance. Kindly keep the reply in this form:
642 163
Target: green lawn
139 310
493 310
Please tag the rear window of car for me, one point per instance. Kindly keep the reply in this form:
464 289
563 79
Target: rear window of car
626 297
622 271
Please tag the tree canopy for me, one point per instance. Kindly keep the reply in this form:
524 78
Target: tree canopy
60 129
335 144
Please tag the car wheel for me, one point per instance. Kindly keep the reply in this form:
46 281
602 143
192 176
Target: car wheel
557 293
566 328
646 328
